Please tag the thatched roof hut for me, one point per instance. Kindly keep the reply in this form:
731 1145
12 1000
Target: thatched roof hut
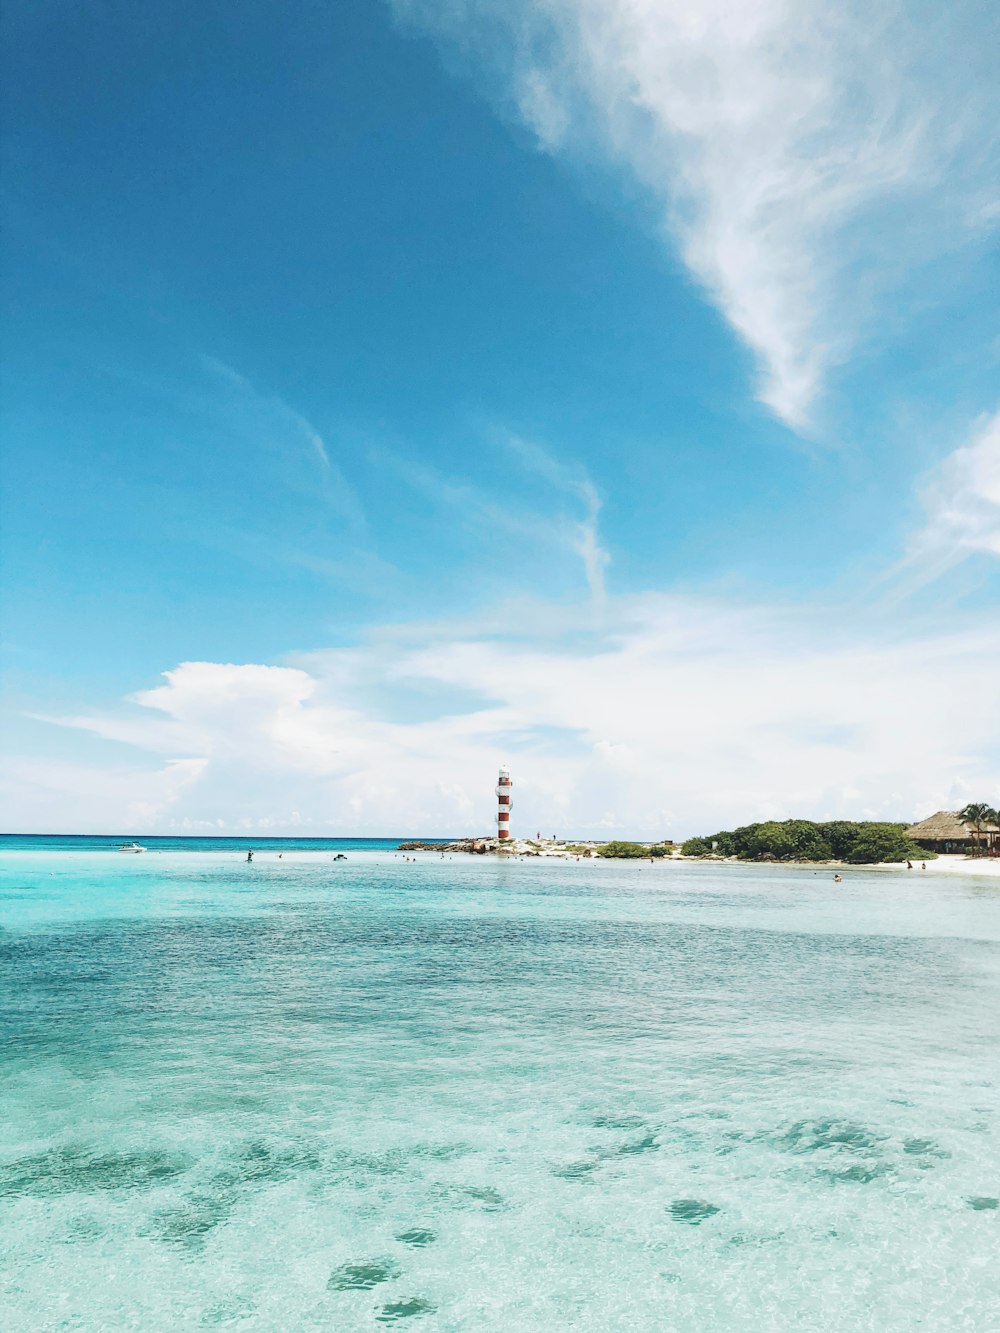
946 831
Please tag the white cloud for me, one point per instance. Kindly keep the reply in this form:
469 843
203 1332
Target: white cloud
270 405
586 541
800 154
962 503
532 517
54 795
271 423
681 715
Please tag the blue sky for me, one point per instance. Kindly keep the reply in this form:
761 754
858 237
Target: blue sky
607 388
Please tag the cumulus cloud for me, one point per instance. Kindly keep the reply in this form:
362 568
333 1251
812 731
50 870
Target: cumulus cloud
678 716
800 155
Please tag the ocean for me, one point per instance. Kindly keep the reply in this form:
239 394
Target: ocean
483 1094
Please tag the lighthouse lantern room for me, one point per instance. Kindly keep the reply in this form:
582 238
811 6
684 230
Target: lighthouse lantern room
504 803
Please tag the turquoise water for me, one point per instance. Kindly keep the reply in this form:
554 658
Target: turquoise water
483 1095
157 842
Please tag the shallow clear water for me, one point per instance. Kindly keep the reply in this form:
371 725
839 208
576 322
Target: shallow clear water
480 1095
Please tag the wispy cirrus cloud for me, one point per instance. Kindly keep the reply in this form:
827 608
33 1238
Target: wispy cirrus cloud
270 406
534 515
273 424
801 156
571 479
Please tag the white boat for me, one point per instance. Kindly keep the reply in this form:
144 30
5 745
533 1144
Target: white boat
131 847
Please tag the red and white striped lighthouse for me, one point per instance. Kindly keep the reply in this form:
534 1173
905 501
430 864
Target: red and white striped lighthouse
504 802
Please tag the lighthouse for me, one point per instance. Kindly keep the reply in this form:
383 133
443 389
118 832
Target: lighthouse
504 804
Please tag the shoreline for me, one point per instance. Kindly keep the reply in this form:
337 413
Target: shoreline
576 852
553 849
942 864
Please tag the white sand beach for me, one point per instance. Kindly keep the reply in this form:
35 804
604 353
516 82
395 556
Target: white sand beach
965 865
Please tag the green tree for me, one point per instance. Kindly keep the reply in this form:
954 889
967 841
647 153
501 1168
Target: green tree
743 841
804 840
808 842
840 836
877 843
725 843
704 846
978 814
623 851
767 839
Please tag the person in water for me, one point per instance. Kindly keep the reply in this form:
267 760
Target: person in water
837 879
250 856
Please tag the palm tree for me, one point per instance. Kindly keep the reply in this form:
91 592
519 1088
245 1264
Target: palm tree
977 813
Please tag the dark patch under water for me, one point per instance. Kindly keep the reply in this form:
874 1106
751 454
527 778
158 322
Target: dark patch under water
924 1148
648 1143
396 1310
485 1197
631 1148
754 1239
849 1153
618 1122
265 1161
230 1310
71 1170
983 1203
417 1236
392 1162
807 1136
858 1173
363 1276
188 1225
575 1170
692 1211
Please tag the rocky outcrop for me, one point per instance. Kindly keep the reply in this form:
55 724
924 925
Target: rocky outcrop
477 845
550 847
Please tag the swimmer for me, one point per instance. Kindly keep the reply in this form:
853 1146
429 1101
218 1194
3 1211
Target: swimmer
837 879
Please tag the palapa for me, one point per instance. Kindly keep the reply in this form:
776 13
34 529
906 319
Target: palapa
947 826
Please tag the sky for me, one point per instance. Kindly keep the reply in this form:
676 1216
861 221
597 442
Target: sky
391 390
